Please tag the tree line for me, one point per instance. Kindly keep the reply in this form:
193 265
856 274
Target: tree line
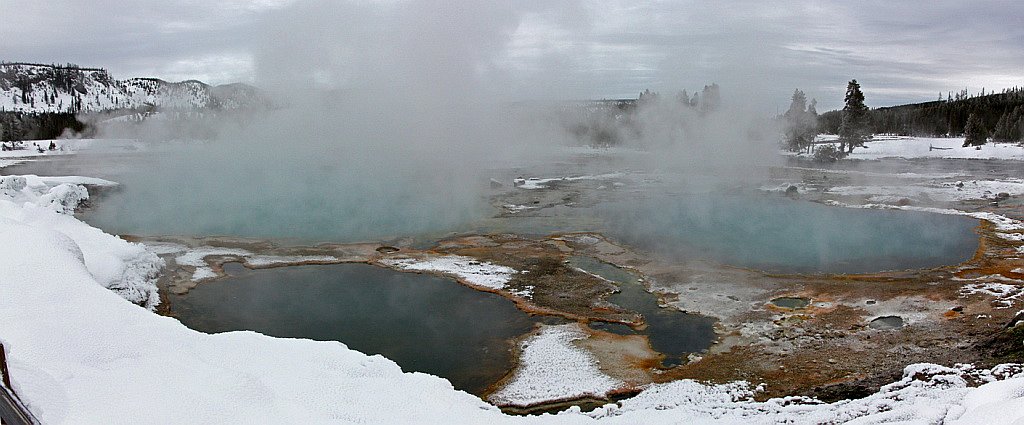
977 118
1001 114
16 126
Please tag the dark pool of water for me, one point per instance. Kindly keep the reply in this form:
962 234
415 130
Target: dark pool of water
776 234
423 323
886 322
671 332
791 302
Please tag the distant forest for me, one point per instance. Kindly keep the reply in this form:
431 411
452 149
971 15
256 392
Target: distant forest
1002 115
37 125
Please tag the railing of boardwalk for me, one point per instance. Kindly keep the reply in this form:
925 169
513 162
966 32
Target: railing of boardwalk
12 410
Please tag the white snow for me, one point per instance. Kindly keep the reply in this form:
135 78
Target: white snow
1006 228
948 191
100 91
62 194
539 183
927 394
277 260
196 257
513 209
552 367
1005 294
123 267
918 147
467 269
162 248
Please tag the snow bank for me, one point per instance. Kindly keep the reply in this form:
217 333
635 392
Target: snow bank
552 368
467 269
927 394
123 267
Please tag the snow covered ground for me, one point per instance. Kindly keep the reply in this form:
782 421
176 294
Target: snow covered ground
469 270
83 348
945 191
552 368
64 147
925 147
533 183
197 258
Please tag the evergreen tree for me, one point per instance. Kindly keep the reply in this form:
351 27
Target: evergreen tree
683 98
974 132
801 122
712 98
1001 132
855 128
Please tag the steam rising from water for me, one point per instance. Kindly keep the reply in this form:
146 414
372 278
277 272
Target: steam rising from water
387 117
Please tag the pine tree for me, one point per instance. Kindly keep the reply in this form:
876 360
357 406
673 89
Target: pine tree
854 129
974 132
711 96
1001 132
683 98
801 122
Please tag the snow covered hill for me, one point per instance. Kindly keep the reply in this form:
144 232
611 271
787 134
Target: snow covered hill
54 88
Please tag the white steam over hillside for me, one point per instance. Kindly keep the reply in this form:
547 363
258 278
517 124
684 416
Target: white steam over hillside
54 88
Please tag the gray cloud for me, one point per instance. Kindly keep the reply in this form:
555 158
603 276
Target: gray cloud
760 51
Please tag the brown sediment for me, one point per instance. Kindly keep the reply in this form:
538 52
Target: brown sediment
556 289
827 351
628 358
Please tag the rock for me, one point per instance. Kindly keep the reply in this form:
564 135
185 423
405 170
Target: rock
1002 195
792 191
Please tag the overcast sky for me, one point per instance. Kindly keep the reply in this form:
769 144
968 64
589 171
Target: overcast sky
899 51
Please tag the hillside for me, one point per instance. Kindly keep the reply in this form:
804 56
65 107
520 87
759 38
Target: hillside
37 88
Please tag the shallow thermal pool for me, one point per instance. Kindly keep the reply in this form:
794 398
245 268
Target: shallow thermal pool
424 323
339 204
777 234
